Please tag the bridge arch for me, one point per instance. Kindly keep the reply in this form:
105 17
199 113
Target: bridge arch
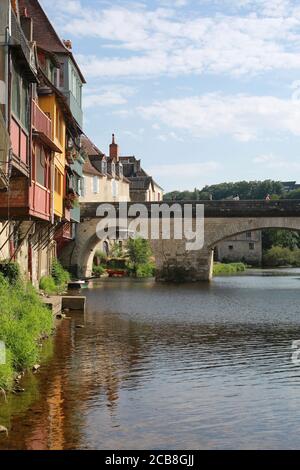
220 230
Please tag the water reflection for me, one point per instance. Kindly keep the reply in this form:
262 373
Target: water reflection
161 366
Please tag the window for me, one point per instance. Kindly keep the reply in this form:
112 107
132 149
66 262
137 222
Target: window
40 158
249 235
82 187
62 75
104 166
251 246
113 168
120 169
96 185
57 182
230 248
20 97
78 185
24 118
80 95
58 127
15 94
57 123
114 188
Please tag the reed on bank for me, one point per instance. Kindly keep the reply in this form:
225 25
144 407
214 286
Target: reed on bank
24 320
228 268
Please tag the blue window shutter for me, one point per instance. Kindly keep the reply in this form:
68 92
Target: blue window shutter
82 185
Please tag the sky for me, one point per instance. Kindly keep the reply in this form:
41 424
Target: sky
203 91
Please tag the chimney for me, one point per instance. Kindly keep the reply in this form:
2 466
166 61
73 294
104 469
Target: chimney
14 6
68 44
27 25
114 150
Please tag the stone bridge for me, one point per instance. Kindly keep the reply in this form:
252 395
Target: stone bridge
223 219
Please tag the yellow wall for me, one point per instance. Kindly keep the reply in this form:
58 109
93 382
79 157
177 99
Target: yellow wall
50 106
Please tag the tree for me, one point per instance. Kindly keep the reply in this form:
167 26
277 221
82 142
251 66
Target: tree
245 189
292 195
139 252
281 238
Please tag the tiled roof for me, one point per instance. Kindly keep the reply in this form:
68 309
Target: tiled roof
44 33
90 147
138 177
140 183
90 169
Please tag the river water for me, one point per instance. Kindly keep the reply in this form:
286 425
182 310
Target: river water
168 367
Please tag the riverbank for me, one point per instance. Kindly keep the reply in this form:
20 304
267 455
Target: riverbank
118 381
24 322
228 268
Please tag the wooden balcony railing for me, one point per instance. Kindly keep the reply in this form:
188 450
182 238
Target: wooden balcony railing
40 121
4 153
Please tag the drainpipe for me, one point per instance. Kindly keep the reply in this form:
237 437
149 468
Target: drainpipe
52 166
6 75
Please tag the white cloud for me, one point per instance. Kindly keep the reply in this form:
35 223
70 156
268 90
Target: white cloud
243 117
272 162
170 136
189 170
161 42
187 175
107 96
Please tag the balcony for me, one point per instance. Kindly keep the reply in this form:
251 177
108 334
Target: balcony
4 153
39 201
75 214
77 166
23 50
40 121
42 127
74 107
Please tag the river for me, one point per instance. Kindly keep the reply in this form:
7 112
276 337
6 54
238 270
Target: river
161 366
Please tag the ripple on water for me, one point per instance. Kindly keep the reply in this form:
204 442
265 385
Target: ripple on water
161 366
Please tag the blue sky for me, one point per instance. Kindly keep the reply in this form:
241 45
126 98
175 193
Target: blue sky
203 91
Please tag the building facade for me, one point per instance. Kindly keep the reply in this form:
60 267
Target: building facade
103 179
246 247
143 188
40 129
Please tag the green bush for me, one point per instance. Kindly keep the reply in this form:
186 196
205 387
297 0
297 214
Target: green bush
47 284
228 268
23 320
116 251
139 254
98 271
60 275
10 271
57 282
101 255
278 256
145 270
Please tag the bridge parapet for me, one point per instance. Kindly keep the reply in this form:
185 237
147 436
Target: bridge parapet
216 209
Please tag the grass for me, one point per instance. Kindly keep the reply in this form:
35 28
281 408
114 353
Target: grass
228 268
57 282
23 321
